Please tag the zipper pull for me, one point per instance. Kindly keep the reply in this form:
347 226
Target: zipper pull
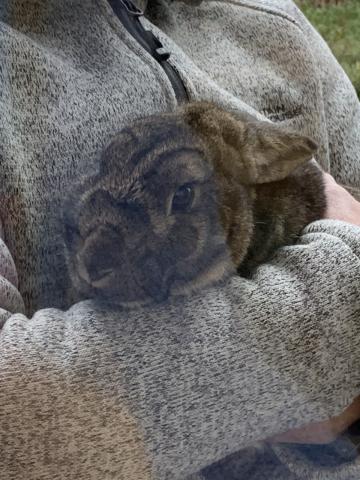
162 54
131 8
158 49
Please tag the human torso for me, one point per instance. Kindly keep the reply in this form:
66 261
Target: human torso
75 76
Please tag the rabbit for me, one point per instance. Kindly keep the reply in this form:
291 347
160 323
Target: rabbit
182 200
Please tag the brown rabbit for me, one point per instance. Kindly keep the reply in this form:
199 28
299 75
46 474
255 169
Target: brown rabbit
182 199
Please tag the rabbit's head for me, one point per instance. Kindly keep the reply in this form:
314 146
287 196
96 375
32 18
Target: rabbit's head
170 210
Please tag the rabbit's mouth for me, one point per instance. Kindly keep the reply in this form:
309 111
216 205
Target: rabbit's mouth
149 281
103 279
98 278
217 270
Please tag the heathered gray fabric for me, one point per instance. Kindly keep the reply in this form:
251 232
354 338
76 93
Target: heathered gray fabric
88 393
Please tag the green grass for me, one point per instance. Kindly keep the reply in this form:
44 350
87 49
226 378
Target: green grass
340 26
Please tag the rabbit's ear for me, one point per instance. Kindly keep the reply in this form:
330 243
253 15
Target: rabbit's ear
248 149
271 154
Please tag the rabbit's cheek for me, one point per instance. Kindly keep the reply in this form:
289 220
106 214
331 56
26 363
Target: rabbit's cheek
203 274
198 241
182 243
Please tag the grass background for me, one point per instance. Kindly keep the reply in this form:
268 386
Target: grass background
340 26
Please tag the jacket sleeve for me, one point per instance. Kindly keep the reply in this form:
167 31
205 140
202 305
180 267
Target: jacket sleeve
162 392
341 103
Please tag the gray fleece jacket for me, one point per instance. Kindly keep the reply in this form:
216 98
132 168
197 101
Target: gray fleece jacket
92 393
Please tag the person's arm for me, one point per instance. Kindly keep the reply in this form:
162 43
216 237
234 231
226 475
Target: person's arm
341 104
340 206
174 388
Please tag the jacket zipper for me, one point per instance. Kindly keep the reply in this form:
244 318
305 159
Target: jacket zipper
129 15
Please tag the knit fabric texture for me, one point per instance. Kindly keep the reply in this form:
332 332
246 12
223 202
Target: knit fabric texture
189 389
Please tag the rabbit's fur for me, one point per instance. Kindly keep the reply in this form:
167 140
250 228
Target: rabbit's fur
182 199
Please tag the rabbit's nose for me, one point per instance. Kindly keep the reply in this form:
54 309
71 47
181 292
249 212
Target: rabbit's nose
97 270
99 257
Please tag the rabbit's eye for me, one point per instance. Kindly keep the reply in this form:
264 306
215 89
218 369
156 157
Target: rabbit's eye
182 199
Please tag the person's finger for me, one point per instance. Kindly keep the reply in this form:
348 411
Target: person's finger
7 265
322 432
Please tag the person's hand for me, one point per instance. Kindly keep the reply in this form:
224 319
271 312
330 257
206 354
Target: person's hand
7 265
10 297
340 204
322 432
